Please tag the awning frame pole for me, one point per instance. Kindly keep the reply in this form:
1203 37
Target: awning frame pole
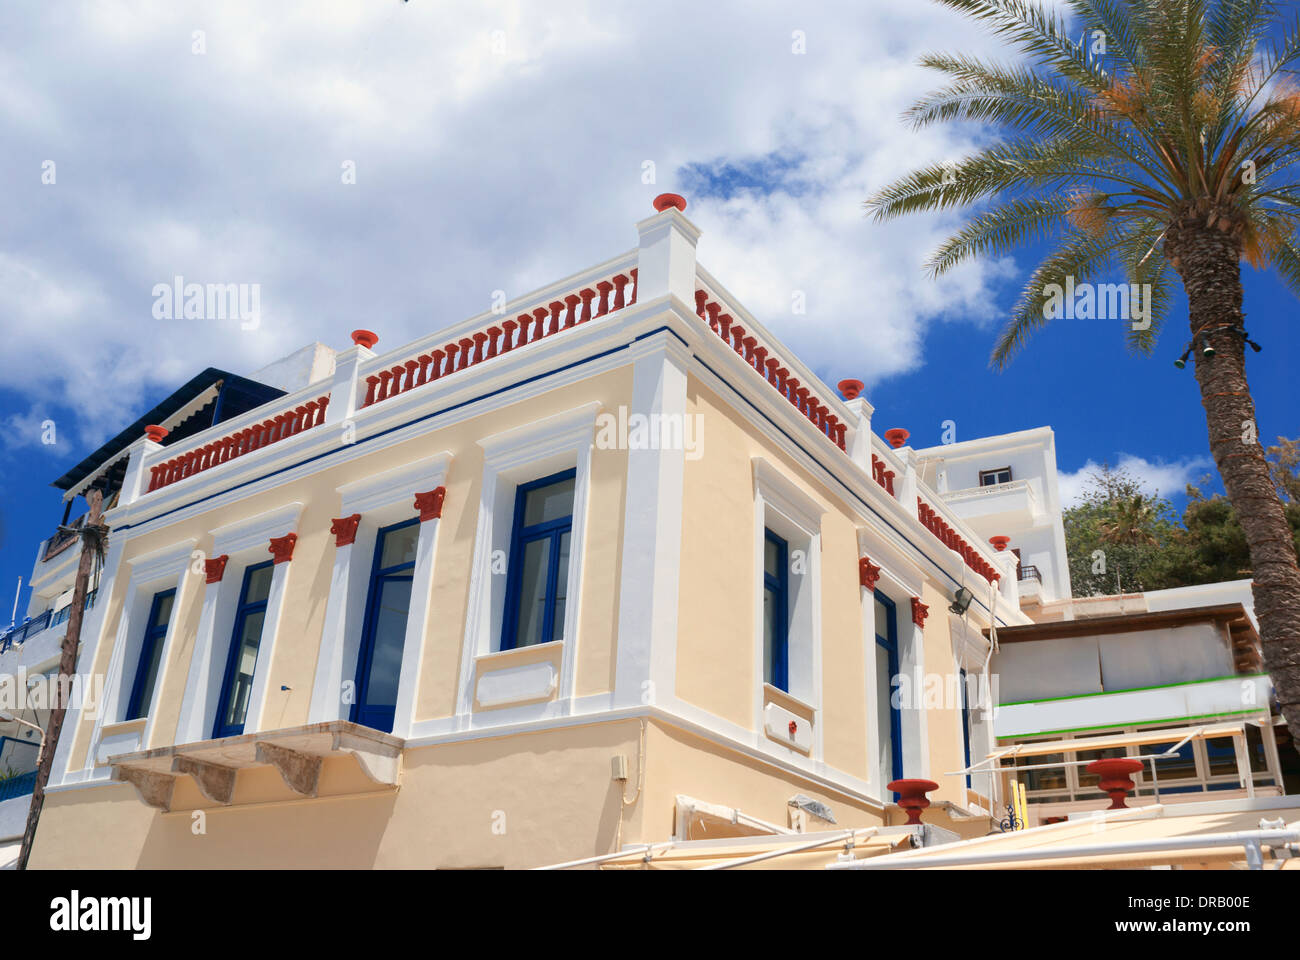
847 836
1244 838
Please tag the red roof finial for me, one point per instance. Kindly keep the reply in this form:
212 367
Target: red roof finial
850 389
666 200
364 338
896 436
155 432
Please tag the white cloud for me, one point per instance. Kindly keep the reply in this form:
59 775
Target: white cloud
497 145
1166 479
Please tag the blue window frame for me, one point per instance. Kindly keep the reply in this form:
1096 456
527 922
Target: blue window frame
776 611
146 671
379 662
237 684
965 720
538 572
889 715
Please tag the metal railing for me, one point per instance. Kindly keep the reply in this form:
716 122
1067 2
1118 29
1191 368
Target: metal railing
1027 571
18 786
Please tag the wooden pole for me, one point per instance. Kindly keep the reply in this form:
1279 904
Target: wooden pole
67 667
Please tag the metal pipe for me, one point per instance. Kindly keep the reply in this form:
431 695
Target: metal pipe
799 848
645 848
1244 838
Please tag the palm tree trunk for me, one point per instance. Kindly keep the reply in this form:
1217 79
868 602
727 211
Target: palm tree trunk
67 667
1209 261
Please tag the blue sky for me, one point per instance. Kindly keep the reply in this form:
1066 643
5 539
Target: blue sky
501 146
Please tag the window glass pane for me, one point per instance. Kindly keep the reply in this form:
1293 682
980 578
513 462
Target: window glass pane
882 620
242 683
1255 749
259 584
561 587
389 638
884 712
399 546
532 591
1222 757
1181 766
1052 778
552 502
771 558
163 611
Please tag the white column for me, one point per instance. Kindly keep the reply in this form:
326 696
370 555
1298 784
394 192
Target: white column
860 443
345 395
907 485
417 626
652 532
332 664
666 257
203 684
136 481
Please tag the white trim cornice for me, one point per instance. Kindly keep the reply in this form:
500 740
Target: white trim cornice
253 531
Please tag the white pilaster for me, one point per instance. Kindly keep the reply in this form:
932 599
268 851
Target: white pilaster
652 532
345 392
860 444
666 257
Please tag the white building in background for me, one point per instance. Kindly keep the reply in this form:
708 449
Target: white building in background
1006 486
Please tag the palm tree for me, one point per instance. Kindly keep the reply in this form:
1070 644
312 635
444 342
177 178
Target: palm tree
1132 522
1163 142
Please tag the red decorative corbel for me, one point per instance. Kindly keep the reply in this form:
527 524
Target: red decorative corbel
793 728
430 503
215 568
919 612
868 573
345 529
282 547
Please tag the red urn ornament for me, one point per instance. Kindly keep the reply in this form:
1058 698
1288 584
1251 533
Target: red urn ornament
999 542
912 796
1113 778
155 432
364 338
667 200
896 436
850 389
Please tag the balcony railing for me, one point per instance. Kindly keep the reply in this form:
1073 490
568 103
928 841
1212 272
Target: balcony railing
253 437
63 538
553 314
764 360
946 534
19 786
28 628
1027 571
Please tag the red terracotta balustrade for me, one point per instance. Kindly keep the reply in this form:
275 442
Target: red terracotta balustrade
949 537
237 444
767 364
589 303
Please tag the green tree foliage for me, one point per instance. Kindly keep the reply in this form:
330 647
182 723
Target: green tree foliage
1145 546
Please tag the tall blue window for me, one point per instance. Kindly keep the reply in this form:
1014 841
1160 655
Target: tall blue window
776 611
379 663
889 717
237 685
539 561
965 720
146 671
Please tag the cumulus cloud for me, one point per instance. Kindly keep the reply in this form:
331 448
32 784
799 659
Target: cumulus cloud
1163 478
495 146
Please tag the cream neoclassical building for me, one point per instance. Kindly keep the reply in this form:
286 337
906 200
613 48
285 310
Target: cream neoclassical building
605 567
